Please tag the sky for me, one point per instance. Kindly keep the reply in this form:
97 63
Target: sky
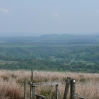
42 17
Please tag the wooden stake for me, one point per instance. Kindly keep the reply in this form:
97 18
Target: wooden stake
67 88
56 91
32 87
72 89
25 89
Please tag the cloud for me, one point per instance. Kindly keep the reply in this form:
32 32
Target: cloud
4 10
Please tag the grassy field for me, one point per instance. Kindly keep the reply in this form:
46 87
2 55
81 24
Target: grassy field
2 62
12 82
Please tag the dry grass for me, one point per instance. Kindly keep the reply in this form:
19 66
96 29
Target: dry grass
11 83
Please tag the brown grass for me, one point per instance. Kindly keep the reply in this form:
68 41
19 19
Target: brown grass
11 83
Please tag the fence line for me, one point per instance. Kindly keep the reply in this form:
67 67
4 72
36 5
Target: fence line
70 83
47 83
70 86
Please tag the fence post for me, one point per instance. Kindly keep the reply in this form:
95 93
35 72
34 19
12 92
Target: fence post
32 87
56 91
67 87
72 89
25 89
31 91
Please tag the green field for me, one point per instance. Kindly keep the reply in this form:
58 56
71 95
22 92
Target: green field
3 62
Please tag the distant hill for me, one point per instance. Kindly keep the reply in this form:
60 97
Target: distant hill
54 39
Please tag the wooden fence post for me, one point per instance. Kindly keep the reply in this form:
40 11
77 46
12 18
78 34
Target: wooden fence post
31 75
67 87
56 91
72 89
32 87
25 89
31 91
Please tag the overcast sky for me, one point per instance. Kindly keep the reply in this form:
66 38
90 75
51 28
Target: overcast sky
37 17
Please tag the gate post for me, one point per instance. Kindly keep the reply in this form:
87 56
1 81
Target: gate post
67 88
32 87
72 89
31 91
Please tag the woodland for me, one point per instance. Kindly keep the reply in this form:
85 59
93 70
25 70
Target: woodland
50 52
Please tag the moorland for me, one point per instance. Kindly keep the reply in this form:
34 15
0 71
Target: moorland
12 84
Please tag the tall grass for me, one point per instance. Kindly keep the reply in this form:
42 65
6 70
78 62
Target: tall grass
12 82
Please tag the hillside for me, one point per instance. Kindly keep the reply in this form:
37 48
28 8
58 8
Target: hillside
51 52
54 38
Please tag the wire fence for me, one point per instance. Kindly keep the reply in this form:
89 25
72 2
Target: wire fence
23 89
